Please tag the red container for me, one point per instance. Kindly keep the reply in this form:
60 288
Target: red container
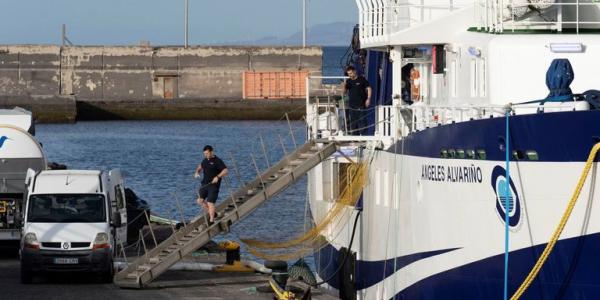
274 85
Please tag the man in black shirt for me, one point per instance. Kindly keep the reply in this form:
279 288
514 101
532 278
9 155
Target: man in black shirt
213 169
359 98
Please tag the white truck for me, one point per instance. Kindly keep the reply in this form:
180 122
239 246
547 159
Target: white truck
74 220
19 151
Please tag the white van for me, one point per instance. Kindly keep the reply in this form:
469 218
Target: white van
74 220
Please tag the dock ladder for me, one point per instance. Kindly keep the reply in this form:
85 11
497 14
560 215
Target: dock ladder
236 206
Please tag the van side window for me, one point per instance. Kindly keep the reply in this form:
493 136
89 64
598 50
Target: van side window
119 197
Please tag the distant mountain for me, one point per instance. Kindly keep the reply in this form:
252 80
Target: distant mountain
332 34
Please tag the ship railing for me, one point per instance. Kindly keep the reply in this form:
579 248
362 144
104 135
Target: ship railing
499 16
326 113
398 121
417 117
327 119
379 19
323 110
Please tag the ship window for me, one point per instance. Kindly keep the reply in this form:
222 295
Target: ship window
444 153
471 154
481 154
518 154
532 155
452 153
460 153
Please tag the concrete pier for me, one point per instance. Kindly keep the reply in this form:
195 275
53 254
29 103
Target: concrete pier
172 285
133 81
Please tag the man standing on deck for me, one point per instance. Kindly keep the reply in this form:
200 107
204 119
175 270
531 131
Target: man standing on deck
359 99
213 169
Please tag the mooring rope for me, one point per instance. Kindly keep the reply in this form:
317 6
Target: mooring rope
507 196
561 225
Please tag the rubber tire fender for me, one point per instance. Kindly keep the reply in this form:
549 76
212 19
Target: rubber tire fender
277 265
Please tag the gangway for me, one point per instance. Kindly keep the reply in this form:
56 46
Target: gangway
236 206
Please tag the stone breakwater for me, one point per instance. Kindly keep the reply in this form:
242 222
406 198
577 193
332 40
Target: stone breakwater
141 82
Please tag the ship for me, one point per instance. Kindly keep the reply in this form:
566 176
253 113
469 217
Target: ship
483 122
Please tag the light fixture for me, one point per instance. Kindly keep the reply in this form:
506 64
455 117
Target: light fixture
474 51
566 47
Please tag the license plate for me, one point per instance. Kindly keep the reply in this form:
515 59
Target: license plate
66 261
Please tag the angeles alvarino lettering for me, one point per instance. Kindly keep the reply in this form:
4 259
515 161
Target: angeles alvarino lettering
460 174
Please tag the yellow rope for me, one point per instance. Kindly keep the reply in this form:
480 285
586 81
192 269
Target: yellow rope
563 221
279 293
356 179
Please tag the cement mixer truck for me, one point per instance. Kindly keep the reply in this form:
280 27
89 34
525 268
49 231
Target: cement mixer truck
19 151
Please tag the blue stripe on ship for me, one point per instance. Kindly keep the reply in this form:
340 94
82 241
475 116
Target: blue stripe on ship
559 136
571 272
329 258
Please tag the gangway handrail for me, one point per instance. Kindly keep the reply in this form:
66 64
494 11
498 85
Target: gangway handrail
235 207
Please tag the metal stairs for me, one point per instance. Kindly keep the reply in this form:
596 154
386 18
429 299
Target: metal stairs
235 207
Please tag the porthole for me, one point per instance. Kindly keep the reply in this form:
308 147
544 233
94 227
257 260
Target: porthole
518 155
532 155
444 153
471 154
481 154
451 153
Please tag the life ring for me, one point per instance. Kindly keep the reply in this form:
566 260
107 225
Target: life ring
415 85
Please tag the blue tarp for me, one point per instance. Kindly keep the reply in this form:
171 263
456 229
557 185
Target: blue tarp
558 79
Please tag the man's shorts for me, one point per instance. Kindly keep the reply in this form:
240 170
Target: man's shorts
209 193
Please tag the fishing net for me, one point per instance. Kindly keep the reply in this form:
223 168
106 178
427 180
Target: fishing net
352 179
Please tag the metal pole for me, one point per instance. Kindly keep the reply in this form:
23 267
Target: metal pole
187 2
291 131
232 196
264 149
282 145
303 23
180 209
173 217
507 200
144 243
262 183
64 34
123 252
237 171
150 227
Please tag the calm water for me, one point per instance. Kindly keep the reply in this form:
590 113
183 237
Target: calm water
158 159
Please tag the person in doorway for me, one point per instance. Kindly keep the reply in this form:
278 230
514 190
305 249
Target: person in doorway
359 99
213 169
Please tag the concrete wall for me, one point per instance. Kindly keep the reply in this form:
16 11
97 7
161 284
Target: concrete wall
103 73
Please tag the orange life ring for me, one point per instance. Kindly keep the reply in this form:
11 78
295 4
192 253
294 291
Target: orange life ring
415 85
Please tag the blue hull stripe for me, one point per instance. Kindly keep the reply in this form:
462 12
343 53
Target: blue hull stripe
329 259
560 136
571 272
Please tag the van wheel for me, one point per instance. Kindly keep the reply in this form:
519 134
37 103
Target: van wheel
107 276
26 275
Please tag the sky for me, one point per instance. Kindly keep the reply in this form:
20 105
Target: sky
127 22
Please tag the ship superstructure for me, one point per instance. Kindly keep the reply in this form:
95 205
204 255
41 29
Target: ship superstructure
458 85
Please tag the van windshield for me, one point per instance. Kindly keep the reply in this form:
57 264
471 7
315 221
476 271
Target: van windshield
66 208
